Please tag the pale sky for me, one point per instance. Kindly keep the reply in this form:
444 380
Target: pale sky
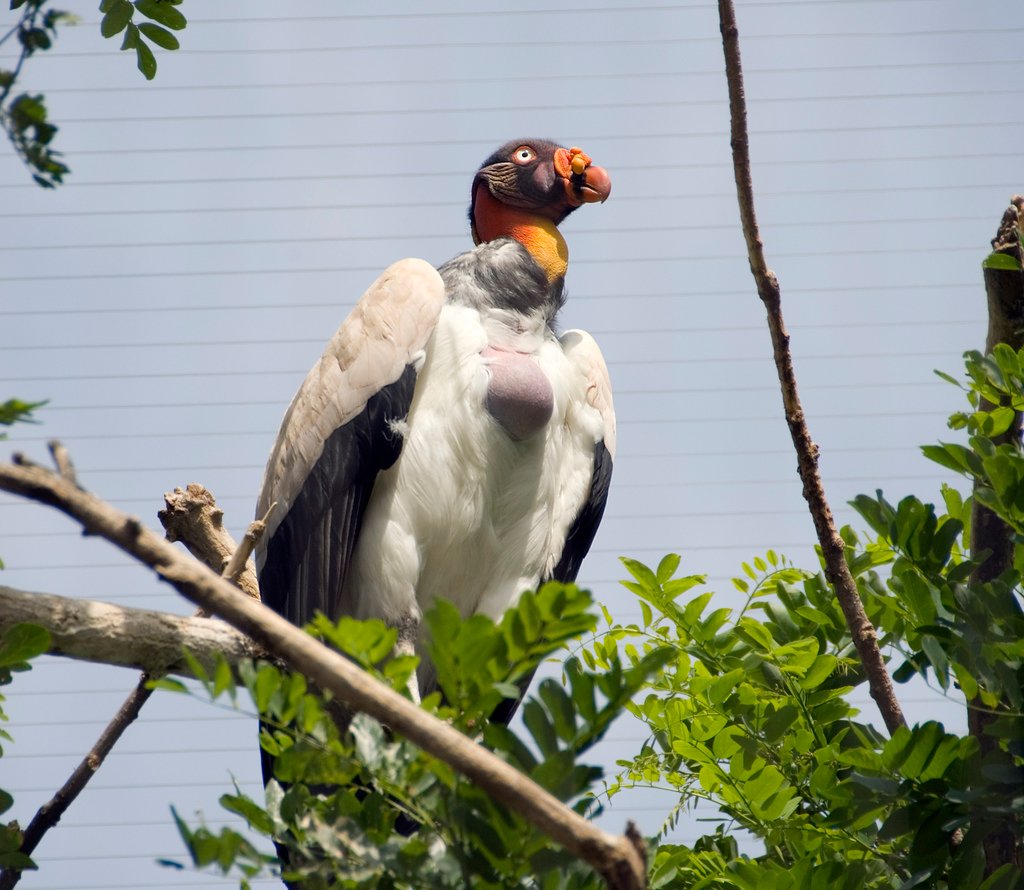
219 223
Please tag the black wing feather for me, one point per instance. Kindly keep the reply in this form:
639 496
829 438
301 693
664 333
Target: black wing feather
584 527
308 557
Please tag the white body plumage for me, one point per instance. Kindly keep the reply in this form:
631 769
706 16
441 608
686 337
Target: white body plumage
467 513
475 504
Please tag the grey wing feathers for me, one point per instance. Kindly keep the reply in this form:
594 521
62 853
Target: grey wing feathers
582 350
336 436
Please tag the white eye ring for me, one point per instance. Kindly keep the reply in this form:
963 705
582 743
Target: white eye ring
523 155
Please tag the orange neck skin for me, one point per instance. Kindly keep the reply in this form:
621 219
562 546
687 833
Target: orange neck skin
537 234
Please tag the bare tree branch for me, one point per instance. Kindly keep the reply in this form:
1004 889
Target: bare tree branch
49 814
62 461
102 633
865 639
619 859
198 520
191 516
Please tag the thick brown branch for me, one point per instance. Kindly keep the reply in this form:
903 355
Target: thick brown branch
616 858
133 638
865 639
1004 290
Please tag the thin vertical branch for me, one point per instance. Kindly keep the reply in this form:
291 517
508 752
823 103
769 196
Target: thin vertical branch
837 570
49 814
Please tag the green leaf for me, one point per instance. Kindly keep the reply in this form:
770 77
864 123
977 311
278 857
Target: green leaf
146 61
643 575
540 727
168 684
160 36
196 668
249 810
117 18
131 38
16 860
223 680
667 567
1001 261
162 12
1006 877
23 642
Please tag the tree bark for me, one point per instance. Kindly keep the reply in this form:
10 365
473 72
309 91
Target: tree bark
132 638
1004 291
191 516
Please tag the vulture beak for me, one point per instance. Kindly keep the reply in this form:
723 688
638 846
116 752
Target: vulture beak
584 182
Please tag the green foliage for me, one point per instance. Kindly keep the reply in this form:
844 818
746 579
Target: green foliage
1003 261
748 713
341 800
164 18
24 117
18 647
16 411
752 713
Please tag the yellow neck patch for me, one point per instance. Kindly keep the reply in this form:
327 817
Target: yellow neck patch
538 235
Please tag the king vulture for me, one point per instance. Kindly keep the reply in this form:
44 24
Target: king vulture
449 443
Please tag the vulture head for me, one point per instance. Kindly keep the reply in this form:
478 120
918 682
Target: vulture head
526 188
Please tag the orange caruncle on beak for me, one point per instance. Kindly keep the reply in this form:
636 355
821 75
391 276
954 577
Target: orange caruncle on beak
584 183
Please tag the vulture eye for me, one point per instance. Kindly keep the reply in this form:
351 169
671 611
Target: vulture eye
523 155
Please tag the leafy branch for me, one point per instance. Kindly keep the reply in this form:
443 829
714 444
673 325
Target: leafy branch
164 16
25 118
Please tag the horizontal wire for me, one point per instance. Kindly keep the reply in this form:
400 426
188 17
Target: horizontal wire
132 752
305 85
85 470
490 14
305 341
577 233
639 168
618 551
606 137
669 391
435 47
436 205
211 884
586 261
18 725
543 77
360 112
391 111
589 43
333 304
609 516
